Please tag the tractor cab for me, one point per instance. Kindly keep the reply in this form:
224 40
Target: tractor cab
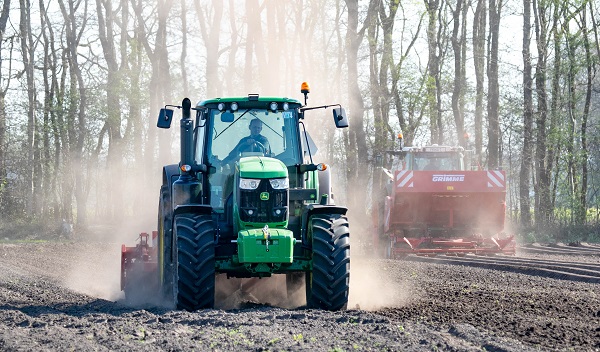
234 130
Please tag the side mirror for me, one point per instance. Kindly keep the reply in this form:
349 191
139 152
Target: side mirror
164 118
227 116
340 118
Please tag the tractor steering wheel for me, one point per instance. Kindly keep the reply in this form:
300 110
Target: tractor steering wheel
258 147
253 147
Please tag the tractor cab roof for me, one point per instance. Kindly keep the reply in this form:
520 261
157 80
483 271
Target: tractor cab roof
252 100
433 149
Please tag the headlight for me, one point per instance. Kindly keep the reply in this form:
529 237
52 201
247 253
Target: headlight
249 183
234 106
279 183
273 106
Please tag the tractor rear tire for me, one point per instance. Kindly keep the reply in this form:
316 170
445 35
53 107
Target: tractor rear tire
195 258
165 273
328 285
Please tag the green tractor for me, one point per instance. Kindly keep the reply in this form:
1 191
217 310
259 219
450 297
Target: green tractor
246 200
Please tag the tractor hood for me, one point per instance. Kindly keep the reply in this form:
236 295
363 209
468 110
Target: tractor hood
262 167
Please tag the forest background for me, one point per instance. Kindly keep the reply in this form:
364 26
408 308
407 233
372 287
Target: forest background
82 81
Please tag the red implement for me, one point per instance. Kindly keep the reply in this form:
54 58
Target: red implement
452 211
139 264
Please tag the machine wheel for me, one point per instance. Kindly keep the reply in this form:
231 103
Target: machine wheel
195 258
327 286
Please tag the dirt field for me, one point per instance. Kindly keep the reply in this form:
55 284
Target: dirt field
65 296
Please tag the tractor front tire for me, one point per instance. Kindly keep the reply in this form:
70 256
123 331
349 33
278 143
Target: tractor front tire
328 285
195 258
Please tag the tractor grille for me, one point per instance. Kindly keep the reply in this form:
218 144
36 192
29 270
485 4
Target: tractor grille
255 209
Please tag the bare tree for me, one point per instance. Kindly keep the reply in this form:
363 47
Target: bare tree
49 170
209 20
357 135
3 90
28 53
380 71
542 162
409 107
159 87
458 46
479 27
493 86
76 115
590 71
526 159
556 139
433 69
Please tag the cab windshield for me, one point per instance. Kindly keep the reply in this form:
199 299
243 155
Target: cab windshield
437 161
277 135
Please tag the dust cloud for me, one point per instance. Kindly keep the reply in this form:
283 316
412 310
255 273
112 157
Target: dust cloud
96 270
235 293
373 286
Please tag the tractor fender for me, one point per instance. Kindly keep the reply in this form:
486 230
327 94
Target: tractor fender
313 209
192 208
170 174
325 187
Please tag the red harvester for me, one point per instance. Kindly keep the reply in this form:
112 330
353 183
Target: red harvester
435 203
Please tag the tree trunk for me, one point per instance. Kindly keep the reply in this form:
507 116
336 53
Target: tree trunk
572 178
457 92
524 175
589 63
554 142
542 164
28 50
479 26
357 136
76 124
493 87
433 67
3 172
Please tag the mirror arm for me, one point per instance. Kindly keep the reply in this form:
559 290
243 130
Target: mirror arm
319 107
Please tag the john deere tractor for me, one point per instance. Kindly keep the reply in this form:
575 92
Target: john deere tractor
239 207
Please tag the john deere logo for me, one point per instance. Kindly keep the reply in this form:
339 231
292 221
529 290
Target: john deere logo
264 196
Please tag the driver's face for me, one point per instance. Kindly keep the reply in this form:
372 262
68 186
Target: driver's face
255 128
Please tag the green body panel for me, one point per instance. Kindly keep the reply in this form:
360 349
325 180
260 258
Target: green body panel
262 167
256 167
233 266
313 182
255 246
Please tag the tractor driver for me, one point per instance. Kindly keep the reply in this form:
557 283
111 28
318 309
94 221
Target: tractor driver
255 142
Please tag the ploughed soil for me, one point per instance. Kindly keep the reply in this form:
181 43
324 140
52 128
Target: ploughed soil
65 296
